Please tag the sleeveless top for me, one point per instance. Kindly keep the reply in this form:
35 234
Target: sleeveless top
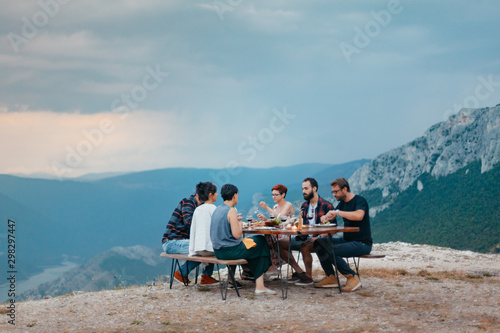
220 229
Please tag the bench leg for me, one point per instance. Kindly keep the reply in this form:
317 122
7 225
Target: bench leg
196 272
232 271
176 265
172 272
356 264
230 275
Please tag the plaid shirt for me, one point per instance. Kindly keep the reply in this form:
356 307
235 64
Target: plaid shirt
322 208
180 223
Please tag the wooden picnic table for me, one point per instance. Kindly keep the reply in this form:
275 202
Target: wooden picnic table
305 230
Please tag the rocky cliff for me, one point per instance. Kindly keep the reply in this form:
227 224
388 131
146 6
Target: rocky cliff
468 136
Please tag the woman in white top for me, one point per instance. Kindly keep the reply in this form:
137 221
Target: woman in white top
282 207
199 237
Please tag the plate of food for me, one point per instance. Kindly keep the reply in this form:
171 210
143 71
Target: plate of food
262 228
271 223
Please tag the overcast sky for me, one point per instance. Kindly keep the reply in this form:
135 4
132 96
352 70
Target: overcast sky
101 86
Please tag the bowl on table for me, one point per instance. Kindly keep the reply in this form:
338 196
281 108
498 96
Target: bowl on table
270 223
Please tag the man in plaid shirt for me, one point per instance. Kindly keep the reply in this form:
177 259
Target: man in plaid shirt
176 237
313 211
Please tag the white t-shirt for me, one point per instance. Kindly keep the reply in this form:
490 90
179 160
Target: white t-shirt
312 211
199 237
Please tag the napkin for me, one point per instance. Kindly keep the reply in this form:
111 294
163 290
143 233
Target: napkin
249 243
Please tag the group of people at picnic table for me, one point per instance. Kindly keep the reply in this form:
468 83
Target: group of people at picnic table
198 227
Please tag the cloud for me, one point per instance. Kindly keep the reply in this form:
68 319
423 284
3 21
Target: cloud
86 143
226 78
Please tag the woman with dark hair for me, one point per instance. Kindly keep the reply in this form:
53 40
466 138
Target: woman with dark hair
226 233
199 238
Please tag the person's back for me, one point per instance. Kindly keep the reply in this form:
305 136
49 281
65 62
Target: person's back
226 232
220 229
199 239
178 227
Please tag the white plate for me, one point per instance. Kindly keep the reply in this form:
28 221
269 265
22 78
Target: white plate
262 228
324 225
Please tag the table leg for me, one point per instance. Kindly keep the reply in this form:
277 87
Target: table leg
284 293
288 261
334 260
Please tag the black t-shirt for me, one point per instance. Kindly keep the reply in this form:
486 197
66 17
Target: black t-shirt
364 235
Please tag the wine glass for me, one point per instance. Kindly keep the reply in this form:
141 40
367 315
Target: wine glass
249 218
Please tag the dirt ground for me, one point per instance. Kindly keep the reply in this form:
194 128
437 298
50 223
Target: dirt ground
407 291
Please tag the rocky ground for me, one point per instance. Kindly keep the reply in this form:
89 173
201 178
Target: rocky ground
415 288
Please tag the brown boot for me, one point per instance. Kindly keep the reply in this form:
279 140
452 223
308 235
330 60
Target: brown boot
352 284
329 281
207 279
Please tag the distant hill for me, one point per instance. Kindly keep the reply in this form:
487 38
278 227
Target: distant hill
441 188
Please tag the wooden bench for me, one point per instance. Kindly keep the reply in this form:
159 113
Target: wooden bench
231 264
367 256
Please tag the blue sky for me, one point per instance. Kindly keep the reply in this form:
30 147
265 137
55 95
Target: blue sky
112 86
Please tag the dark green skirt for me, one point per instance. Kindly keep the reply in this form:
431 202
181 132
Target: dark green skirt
258 257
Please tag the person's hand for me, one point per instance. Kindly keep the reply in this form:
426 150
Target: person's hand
330 215
262 204
261 217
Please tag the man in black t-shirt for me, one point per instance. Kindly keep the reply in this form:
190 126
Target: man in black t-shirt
354 210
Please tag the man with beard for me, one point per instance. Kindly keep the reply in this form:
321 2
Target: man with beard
354 210
313 211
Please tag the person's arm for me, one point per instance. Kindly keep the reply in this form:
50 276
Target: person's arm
236 228
266 207
357 215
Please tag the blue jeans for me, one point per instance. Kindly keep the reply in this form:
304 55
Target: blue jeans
181 246
343 249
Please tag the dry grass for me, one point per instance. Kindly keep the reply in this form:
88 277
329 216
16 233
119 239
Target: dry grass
390 300
414 289
398 274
